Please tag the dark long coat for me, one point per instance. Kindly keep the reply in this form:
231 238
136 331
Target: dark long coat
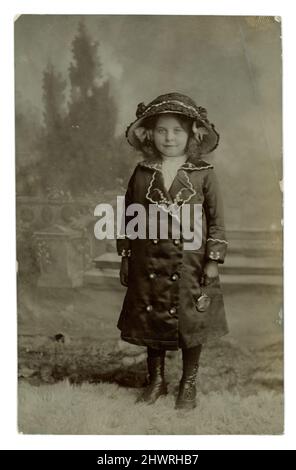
160 308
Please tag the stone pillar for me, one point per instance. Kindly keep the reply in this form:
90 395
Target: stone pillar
61 252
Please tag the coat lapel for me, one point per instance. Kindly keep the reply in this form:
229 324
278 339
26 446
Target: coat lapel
181 190
157 192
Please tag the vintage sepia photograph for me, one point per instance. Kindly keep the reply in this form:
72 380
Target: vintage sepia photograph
149 224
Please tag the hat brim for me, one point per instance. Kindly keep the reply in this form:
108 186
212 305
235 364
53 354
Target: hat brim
209 142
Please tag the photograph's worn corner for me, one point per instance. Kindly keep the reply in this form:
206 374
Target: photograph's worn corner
16 17
162 315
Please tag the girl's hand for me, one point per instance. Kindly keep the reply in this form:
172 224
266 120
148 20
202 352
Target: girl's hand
211 269
199 132
123 274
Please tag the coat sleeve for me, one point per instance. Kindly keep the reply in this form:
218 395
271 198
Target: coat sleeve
123 244
216 244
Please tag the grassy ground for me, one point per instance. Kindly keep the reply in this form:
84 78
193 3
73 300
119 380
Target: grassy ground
240 378
109 409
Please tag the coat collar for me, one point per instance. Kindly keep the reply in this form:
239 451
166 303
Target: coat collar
191 164
181 190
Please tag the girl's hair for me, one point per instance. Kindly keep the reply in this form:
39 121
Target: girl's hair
192 149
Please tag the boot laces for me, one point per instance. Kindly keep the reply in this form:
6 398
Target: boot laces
189 382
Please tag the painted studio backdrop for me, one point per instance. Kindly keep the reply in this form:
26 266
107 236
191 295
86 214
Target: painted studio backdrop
78 80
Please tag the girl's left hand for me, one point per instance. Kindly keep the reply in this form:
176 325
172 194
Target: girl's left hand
211 269
123 274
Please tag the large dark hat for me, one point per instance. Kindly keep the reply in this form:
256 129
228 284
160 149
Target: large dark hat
176 103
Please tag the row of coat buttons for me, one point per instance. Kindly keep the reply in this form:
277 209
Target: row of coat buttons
172 310
174 277
176 241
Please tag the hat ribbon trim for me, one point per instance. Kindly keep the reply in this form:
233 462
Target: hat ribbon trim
156 105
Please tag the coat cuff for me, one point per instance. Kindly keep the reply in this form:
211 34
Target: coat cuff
216 249
123 247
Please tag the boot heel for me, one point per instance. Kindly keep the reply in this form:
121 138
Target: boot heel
157 385
152 393
186 396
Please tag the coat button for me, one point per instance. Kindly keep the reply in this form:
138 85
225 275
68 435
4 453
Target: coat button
149 308
174 277
172 310
155 241
152 275
214 255
176 242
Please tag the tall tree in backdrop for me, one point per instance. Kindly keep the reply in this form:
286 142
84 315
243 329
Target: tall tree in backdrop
77 150
54 138
28 133
92 116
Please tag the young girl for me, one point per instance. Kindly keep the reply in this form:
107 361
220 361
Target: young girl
173 297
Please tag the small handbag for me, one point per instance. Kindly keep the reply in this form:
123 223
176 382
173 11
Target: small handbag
203 302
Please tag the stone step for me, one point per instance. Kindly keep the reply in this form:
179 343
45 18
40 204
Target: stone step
109 278
107 260
256 259
235 264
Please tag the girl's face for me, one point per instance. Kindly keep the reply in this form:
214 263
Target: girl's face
170 137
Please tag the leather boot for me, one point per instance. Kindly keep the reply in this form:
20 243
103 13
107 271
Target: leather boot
186 398
156 381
